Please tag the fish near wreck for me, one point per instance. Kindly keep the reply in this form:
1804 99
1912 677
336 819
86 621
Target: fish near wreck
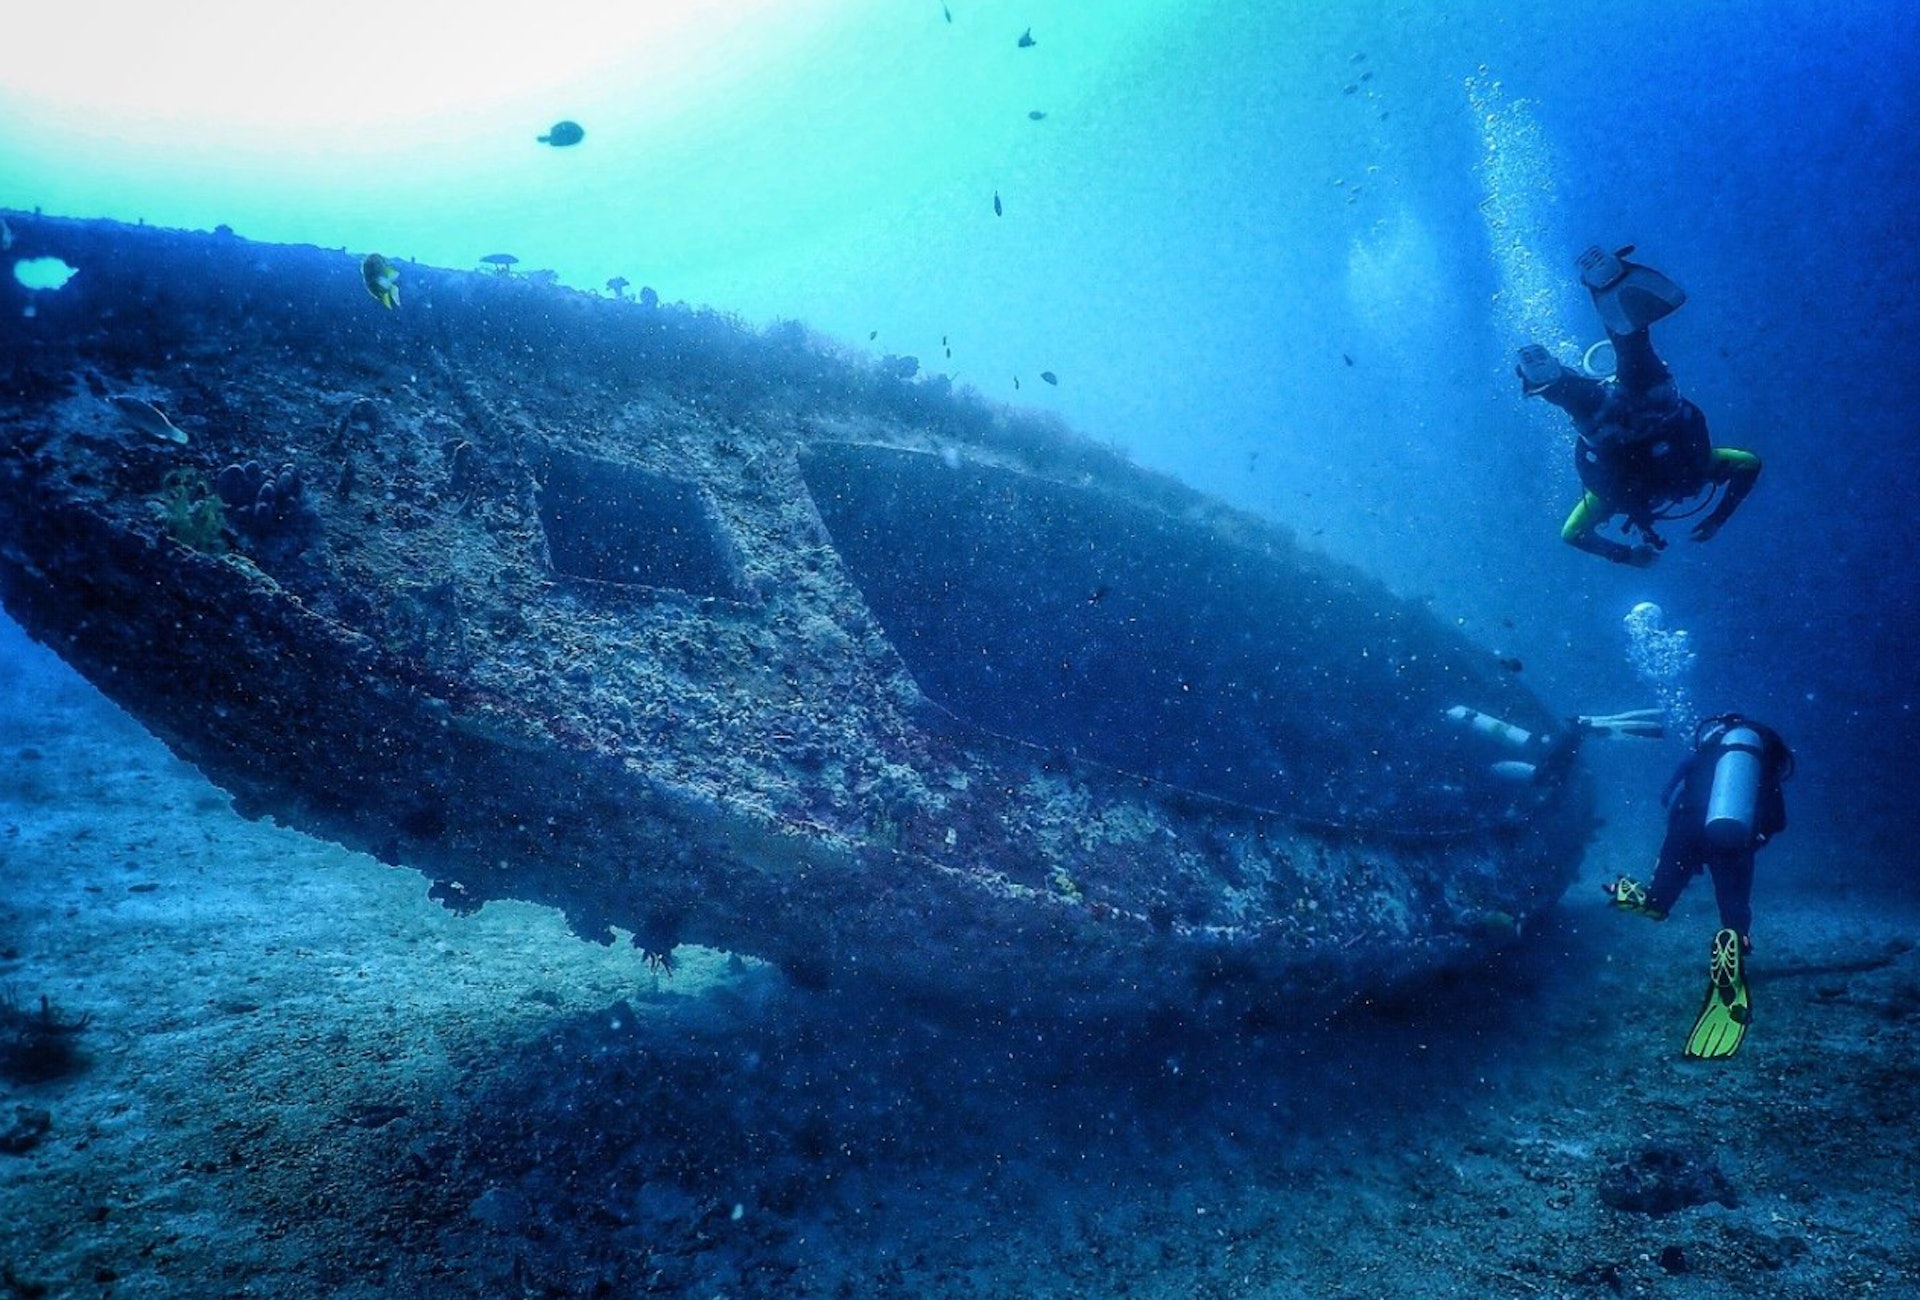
706 636
147 419
382 280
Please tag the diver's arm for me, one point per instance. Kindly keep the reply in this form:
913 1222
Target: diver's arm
1739 470
1579 532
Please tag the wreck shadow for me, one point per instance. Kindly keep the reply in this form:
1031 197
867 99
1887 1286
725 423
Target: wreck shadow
758 1132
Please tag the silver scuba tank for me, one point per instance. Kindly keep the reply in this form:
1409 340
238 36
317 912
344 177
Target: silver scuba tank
1493 728
1734 799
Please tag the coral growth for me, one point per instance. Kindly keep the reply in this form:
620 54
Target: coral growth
268 506
191 512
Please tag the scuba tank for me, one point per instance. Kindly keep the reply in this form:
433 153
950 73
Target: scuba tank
1485 724
1734 798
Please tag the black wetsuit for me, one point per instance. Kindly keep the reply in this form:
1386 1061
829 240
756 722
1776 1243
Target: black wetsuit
1642 446
1687 850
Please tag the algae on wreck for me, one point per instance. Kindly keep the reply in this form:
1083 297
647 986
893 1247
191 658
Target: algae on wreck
192 513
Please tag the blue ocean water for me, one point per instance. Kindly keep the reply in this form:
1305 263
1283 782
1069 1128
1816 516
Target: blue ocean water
1283 252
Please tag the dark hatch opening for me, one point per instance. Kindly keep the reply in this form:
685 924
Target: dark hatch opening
616 523
1087 624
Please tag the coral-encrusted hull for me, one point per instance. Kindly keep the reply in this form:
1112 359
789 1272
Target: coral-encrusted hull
708 636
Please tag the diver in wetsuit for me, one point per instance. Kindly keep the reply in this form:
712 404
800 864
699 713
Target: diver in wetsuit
1717 820
1723 805
1545 758
1643 451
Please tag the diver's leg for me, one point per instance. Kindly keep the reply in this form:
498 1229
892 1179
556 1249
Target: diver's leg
1739 470
1578 395
1637 368
1733 890
1680 862
1542 375
1580 531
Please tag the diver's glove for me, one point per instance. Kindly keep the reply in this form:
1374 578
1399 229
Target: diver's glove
1629 895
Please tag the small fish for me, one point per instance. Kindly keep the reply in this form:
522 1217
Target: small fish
6 235
562 134
144 417
1097 595
1026 41
872 335
382 280
949 352
1016 383
1511 663
946 13
1036 115
943 340
1344 357
1050 377
996 203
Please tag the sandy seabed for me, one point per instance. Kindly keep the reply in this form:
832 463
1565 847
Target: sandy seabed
302 1078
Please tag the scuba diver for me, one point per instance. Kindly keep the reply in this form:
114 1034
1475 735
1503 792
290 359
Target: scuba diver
1545 758
1723 804
1643 454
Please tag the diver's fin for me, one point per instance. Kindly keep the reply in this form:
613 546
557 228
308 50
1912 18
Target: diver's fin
1648 724
1628 296
1726 1013
1538 370
1629 895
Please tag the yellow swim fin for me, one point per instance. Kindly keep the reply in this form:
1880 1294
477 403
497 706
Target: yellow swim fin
1727 1011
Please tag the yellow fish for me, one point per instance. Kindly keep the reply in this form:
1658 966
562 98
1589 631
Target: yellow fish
383 281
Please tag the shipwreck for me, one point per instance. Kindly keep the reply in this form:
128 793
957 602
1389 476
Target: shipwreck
707 634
